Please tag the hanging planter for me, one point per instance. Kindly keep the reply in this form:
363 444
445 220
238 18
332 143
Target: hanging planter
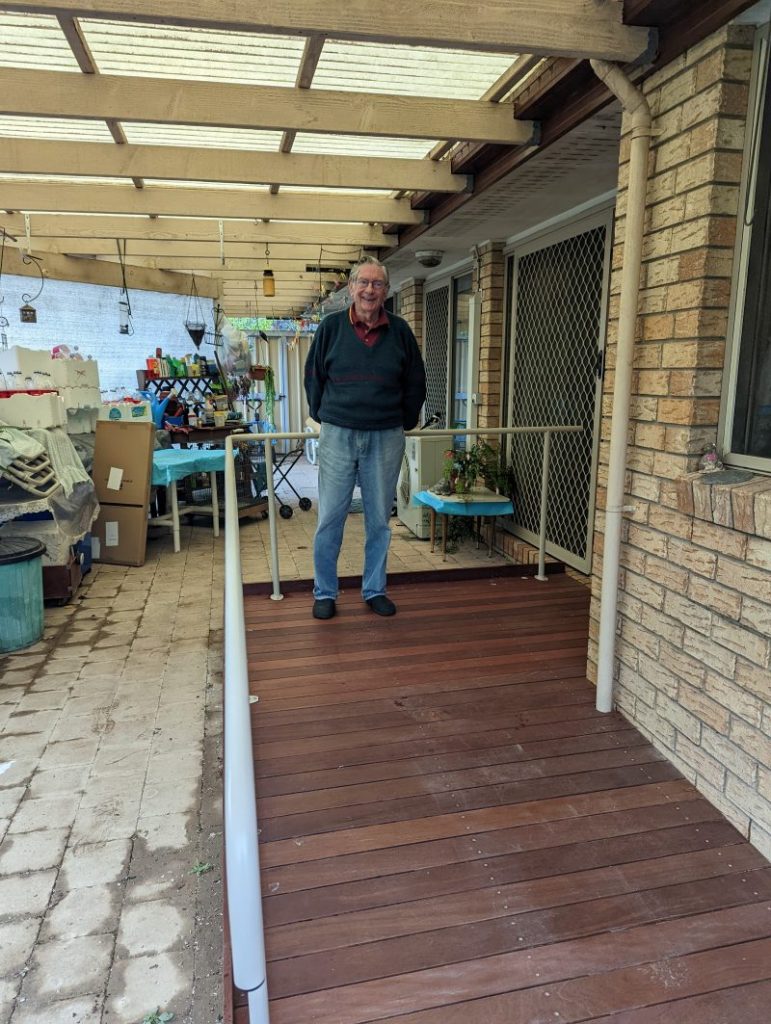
258 372
194 322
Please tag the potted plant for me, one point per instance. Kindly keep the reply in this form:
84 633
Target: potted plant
466 469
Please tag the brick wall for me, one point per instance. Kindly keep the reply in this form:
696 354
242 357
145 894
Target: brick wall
693 654
411 306
489 274
86 315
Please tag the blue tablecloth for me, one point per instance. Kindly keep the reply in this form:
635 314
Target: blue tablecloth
170 464
484 503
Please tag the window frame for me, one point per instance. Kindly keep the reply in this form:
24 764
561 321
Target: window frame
757 115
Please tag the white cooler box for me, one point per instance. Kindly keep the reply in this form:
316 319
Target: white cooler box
25 369
76 373
33 411
126 412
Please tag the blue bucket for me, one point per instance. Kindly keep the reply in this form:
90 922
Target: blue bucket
21 592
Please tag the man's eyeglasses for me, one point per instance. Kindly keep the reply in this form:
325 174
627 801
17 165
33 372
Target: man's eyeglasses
377 285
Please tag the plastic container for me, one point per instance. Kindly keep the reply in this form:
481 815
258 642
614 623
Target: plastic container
21 592
38 410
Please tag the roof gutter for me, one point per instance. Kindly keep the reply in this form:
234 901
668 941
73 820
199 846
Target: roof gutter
636 107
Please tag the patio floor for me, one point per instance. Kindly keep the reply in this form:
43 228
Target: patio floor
451 833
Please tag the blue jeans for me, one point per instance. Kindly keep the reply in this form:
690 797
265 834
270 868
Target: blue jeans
371 458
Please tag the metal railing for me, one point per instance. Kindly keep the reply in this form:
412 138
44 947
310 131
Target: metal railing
242 857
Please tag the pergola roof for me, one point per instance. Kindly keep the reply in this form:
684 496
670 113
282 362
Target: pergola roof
225 138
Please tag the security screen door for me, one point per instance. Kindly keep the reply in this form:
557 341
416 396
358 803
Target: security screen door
559 291
435 351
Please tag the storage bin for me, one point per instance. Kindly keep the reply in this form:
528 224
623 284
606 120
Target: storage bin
33 410
21 592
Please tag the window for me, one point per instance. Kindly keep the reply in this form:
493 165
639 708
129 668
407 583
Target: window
748 427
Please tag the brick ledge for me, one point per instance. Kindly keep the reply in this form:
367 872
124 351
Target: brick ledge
744 507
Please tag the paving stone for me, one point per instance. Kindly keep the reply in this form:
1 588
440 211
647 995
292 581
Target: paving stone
10 798
166 830
84 1010
16 941
33 721
156 926
172 797
58 780
32 851
114 819
79 727
21 745
8 989
141 984
25 895
104 786
64 968
95 864
45 812
47 700
69 753
15 772
90 911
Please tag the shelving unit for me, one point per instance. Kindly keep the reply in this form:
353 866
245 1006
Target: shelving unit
187 388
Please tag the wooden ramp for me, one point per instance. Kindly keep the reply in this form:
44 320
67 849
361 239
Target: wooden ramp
451 834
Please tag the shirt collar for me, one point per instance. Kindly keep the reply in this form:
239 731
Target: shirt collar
382 320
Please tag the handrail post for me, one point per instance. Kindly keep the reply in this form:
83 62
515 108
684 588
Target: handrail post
541 574
272 526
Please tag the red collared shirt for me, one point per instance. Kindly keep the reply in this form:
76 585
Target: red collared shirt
364 332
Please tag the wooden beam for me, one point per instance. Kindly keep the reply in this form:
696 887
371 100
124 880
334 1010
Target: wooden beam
212 265
309 236
85 271
172 101
139 247
177 163
587 28
161 200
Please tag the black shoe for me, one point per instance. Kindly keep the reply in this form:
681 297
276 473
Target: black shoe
323 608
381 605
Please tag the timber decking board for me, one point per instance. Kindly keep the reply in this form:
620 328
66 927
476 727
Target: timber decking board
451 833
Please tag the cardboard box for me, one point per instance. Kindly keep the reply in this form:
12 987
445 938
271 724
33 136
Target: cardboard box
119 535
123 462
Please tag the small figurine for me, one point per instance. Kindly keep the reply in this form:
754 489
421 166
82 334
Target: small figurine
710 460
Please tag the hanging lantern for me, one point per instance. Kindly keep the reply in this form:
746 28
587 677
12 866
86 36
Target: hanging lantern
268 281
124 314
27 312
194 322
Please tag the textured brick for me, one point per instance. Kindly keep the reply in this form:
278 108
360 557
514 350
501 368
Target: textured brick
704 649
734 698
705 766
740 641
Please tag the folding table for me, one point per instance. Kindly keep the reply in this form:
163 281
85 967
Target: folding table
173 464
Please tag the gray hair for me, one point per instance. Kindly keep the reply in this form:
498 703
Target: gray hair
368 261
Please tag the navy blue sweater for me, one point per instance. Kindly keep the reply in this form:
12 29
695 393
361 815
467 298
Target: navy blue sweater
354 385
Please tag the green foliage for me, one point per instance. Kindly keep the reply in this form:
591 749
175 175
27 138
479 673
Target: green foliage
201 868
156 1017
463 467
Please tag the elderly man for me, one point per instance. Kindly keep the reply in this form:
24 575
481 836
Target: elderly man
366 384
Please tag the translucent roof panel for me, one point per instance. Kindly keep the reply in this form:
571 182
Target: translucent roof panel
169 51
201 137
355 145
340 192
34 41
408 70
218 186
55 128
60 179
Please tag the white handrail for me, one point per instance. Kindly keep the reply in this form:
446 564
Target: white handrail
242 856
240 810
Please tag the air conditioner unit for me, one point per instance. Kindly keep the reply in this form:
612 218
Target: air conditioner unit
422 467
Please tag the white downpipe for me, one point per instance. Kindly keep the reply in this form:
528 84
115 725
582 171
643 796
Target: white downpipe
636 106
